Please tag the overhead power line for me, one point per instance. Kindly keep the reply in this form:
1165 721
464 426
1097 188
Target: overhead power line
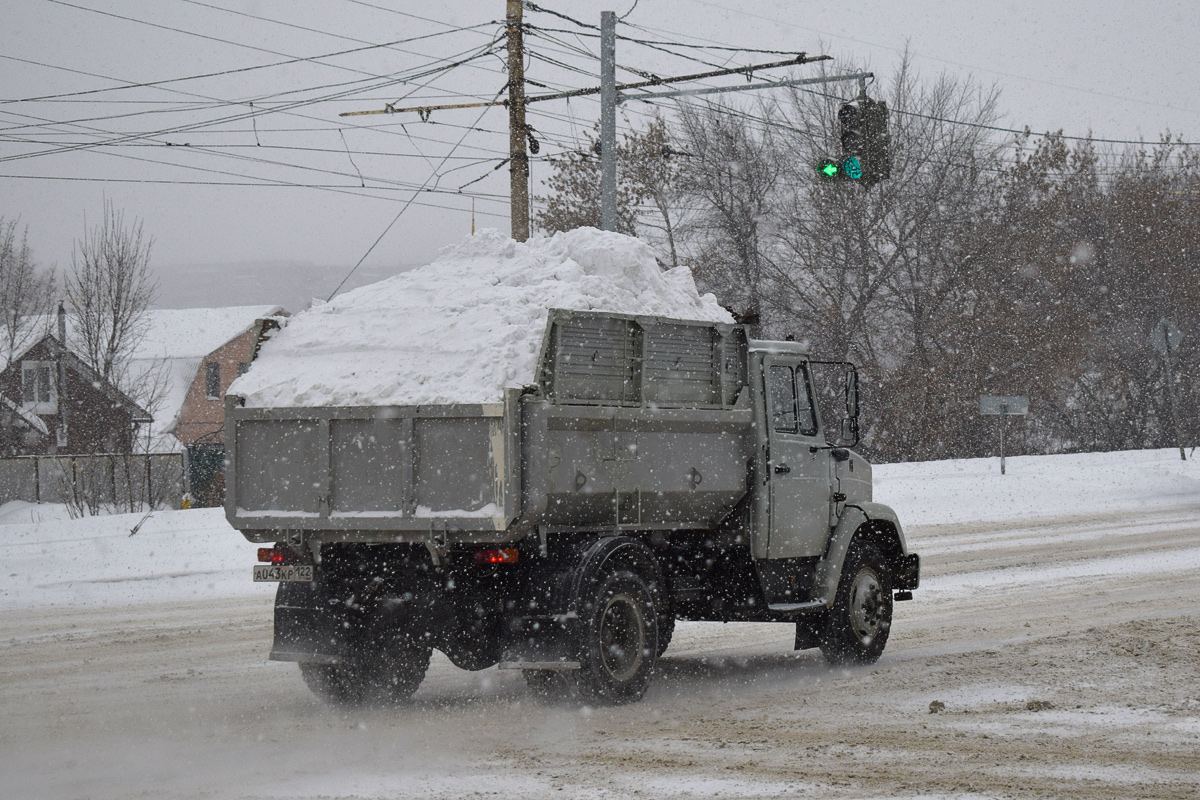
400 213
120 138
219 73
400 77
197 35
635 40
260 184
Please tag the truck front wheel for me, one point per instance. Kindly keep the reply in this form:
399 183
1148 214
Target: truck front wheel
618 644
857 627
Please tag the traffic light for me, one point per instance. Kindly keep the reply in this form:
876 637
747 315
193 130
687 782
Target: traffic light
876 143
866 145
850 166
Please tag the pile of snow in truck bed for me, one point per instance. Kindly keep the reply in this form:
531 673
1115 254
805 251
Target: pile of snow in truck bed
463 328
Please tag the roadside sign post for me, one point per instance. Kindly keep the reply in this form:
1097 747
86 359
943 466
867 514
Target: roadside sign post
1003 407
1165 338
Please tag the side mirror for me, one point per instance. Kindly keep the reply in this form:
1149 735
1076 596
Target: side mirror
839 414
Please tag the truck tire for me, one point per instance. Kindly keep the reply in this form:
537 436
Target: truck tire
385 667
395 670
618 639
666 629
857 627
330 683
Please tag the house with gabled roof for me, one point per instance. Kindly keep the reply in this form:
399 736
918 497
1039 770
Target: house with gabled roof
187 357
52 402
56 404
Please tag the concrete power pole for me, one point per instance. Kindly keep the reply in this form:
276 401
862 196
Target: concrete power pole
518 159
608 120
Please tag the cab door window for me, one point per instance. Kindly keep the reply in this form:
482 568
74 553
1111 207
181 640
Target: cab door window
782 390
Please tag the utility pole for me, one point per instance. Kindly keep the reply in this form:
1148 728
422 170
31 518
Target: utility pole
518 159
1165 338
608 120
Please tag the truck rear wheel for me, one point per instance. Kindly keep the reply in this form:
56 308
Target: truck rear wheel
330 682
385 666
666 629
618 645
857 627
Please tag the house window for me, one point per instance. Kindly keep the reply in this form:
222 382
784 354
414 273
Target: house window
212 380
39 389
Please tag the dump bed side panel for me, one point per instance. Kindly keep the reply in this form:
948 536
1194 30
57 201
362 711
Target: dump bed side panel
642 423
374 473
635 469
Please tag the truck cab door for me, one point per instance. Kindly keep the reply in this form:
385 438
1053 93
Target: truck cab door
797 464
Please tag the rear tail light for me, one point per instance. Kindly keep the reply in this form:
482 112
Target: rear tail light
496 555
277 555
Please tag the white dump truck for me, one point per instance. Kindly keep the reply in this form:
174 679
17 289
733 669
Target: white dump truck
657 470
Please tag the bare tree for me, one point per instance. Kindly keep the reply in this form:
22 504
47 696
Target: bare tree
656 169
108 291
574 201
26 292
647 189
734 173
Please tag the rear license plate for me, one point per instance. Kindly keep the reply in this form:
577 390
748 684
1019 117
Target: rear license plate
277 572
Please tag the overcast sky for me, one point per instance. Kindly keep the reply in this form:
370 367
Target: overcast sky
1118 69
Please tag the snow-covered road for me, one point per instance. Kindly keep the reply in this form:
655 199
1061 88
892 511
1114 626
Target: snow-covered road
1057 623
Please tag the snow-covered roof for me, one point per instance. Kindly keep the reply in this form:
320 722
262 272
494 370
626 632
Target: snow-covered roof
174 347
463 328
32 420
185 333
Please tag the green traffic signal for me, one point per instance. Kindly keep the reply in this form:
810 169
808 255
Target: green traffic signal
849 168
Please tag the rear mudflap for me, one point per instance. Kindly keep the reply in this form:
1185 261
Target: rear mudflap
309 626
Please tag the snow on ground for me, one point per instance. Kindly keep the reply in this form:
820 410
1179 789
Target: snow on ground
98 561
1056 668
463 328
51 560
972 490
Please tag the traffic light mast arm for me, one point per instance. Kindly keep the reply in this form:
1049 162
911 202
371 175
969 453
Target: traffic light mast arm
537 98
765 85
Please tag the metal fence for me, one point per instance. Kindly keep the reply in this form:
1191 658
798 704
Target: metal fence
114 481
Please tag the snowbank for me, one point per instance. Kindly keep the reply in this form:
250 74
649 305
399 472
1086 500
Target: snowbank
50 560
463 328
100 561
973 490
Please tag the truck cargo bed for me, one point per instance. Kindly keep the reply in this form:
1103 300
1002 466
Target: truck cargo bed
634 422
